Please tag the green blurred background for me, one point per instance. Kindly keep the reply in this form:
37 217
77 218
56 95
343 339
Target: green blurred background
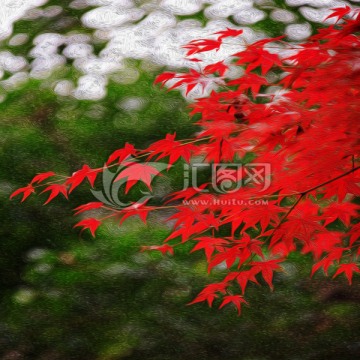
68 297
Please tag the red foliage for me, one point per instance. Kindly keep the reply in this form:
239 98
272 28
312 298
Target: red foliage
304 125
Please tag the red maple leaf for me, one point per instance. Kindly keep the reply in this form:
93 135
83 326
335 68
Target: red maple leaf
164 78
209 293
87 207
209 245
355 234
256 56
137 172
342 211
348 270
237 300
267 269
91 224
339 13
219 67
245 276
121 154
171 148
55 190
41 177
333 256
136 209
323 242
25 191
190 80
228 33
202 45
79 176
249 81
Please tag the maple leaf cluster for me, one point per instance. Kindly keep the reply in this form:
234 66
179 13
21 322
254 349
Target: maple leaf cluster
302 121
